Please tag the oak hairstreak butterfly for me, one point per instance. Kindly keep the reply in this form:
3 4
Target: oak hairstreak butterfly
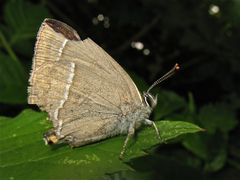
86 93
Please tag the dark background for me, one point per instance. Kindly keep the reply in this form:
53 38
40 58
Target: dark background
202 36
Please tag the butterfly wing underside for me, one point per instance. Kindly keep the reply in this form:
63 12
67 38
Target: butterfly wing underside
80 86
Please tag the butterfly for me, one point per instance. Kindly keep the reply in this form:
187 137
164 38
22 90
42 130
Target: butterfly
86 93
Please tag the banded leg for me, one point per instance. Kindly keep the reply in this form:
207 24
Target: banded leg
151 123
130 134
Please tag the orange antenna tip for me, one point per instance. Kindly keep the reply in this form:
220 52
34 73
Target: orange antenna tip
177 67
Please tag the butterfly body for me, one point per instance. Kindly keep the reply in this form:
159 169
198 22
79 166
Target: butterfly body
133 115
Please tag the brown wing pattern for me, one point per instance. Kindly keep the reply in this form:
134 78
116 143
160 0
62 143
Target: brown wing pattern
78 84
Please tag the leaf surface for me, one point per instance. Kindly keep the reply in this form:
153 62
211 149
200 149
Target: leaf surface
22 150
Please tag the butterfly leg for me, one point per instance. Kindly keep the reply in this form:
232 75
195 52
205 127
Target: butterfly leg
151 123
130 134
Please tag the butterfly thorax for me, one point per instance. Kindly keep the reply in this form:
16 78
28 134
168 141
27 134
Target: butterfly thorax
132 114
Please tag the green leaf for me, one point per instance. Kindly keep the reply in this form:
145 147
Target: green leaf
218 161
196 145
211 148
168 102
168 130
217 151
22 150
217 117
23 20
13 86
191 104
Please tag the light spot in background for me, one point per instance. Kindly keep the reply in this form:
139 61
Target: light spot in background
106 22
100 17
106 25
213 9
137 45
146 52
95 21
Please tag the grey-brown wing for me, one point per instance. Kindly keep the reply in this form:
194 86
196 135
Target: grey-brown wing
78 83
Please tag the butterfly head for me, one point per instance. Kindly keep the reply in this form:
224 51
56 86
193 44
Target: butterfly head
149 99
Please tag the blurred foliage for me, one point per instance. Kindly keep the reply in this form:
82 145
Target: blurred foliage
202 36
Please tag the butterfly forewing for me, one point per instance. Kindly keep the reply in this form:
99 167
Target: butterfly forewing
80 86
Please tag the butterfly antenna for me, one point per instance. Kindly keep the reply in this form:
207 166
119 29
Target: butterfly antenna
164 77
